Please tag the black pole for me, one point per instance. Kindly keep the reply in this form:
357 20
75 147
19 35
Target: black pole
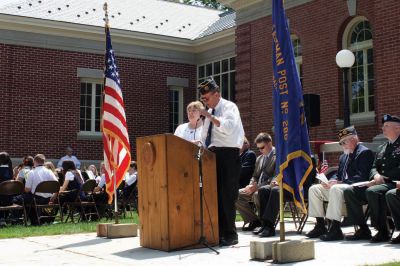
202 239
346 108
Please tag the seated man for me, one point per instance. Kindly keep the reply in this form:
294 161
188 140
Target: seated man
385 171
35 177
247 163
393 203
263 173
354 166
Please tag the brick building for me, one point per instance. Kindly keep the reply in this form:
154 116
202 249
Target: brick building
52 52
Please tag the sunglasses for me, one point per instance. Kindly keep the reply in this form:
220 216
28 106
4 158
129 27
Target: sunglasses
261 148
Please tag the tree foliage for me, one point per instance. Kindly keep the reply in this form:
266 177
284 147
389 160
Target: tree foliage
207 3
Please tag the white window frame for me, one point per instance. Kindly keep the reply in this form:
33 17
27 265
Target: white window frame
229 72
179 90
92 134
362 118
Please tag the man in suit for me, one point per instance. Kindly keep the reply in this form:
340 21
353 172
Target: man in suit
247 163
263 173
354 166
383 176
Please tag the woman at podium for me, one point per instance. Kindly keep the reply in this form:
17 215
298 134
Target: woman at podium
191 131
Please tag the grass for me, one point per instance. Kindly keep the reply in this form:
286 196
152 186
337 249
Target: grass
20 231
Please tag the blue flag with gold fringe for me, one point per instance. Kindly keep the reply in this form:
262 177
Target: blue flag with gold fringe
293 160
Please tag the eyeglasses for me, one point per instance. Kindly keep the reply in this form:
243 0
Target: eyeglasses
261 148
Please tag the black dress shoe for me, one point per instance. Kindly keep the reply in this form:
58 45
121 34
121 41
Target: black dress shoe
395 240
258 230
267 232
316 232
381 236
252 225
227 242
332 235
360 234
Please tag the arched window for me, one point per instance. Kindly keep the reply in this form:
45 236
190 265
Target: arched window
359 41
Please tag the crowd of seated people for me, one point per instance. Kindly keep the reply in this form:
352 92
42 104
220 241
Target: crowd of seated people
34 170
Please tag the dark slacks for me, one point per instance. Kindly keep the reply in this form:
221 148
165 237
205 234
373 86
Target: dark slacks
377 204
228 171
28 199
355 198
269 203
393 202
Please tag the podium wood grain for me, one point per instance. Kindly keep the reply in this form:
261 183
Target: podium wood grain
169 199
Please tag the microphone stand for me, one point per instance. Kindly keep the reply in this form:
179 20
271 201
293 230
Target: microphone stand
202 239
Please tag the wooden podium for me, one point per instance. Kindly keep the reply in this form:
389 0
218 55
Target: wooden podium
169 196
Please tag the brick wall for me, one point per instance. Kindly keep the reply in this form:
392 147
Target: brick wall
41 96
319 25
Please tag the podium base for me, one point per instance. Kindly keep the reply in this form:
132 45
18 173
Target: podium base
111 230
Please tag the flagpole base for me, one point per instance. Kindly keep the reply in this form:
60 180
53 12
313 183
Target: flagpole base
111 230
293 250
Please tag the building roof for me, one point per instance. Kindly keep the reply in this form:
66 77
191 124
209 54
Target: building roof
147 16
226 21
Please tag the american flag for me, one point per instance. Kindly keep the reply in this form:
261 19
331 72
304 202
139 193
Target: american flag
324 166
117 152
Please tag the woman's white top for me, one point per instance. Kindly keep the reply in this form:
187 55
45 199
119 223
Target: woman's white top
187 133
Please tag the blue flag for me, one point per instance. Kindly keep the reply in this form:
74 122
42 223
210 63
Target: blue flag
293 160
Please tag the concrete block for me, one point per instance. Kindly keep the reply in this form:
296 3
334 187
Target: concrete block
261 249
111 230
293 250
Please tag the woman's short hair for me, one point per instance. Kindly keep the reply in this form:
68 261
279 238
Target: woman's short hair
195 105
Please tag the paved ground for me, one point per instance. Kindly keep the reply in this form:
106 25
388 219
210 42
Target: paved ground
86 249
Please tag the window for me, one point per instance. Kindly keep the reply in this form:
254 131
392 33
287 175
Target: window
298 57
362 73
175 108
90 106
223 72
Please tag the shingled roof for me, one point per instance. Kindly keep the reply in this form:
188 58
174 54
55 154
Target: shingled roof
146 16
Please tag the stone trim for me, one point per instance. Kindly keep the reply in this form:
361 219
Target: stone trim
89 73
362 119
178 82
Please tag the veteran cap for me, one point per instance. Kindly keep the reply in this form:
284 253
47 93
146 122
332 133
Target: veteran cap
345 132
208 85
390 118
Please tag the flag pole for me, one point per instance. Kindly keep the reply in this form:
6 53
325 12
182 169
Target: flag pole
281 213
113 176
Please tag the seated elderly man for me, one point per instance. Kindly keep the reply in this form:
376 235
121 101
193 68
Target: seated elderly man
354 166
383 176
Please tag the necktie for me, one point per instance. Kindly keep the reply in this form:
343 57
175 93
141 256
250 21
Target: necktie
263 165
344 173
208 138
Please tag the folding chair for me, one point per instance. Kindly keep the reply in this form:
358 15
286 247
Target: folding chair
47 211
13 188
87 207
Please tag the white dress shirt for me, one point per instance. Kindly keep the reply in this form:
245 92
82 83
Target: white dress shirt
230 133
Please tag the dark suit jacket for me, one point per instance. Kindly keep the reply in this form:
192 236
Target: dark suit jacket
247 162
387 161
266 173
358 166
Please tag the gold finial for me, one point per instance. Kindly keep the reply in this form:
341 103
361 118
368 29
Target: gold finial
105 8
